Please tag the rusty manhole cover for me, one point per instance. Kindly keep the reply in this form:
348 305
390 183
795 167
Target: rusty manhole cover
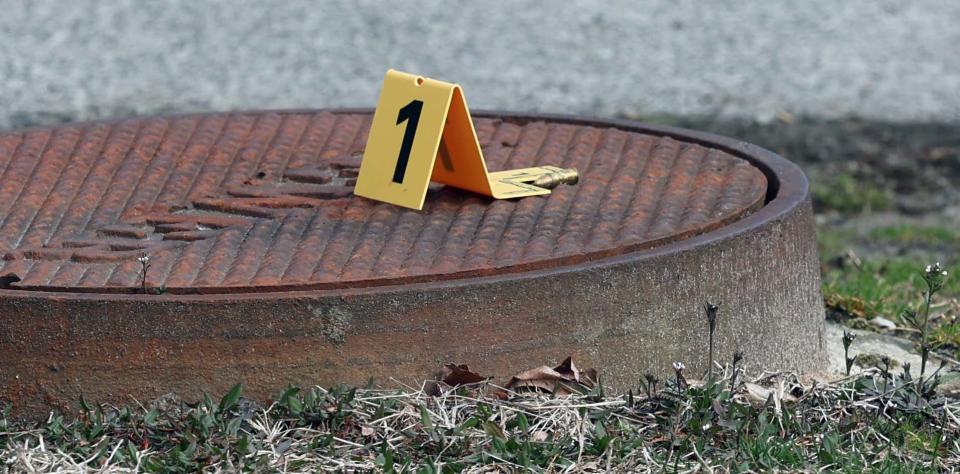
265 269
262 202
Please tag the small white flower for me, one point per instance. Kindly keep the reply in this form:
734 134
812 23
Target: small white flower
678 366
935 270
144 258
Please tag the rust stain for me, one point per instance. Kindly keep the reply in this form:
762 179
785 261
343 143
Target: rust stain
236 209
263 201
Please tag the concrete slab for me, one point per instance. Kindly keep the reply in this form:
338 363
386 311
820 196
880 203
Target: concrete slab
90 59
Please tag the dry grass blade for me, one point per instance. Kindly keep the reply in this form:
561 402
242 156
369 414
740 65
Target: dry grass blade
469 430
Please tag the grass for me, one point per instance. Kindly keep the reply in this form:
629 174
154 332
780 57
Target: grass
912 235
875 421
861 289
878 287
849 194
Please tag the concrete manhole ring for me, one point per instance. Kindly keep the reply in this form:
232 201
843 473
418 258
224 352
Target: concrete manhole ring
264 269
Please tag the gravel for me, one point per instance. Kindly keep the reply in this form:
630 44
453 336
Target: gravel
84 59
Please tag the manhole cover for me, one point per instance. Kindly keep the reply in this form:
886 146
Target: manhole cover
264 269
263 202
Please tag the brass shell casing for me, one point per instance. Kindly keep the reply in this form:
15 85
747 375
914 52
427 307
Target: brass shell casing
552 180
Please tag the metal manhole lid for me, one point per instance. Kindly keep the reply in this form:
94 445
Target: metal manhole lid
263 202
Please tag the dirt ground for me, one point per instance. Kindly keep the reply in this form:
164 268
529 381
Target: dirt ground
916 164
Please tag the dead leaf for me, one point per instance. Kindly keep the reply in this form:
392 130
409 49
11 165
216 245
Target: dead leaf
718 408
851 305
432 388
563 379
760 395
568 370
498 393
452 375
455 375
757 394
589 377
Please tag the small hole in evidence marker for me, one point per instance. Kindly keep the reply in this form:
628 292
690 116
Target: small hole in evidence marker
419 81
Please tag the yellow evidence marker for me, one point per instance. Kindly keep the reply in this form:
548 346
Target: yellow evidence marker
418 120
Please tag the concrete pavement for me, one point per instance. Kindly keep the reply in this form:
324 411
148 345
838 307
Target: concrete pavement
85 59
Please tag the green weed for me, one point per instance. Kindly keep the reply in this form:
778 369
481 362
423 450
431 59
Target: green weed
848 194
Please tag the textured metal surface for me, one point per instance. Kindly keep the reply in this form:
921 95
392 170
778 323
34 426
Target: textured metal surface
262 202
628 311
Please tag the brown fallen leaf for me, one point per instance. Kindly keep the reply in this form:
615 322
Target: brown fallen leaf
455 375
542 378
587 377
568 369
432 388
563 379
452 375
498 393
